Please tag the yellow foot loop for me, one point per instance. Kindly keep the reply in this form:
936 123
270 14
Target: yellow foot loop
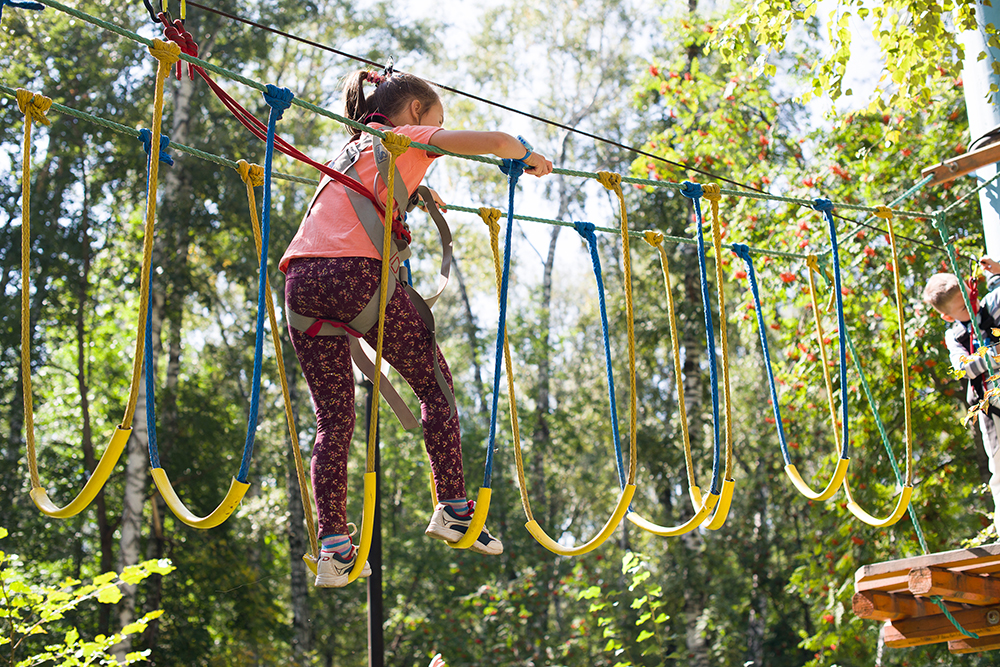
623 502
237 490
478 520
367 522
93 486
705 509
722 510
902 502
831 488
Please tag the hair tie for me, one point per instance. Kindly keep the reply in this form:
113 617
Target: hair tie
373 77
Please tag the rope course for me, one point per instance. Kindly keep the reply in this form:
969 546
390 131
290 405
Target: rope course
710 510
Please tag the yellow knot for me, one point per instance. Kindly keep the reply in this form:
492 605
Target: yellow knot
883 212
610 180
654 239
491 216
252 174
167 53
812 261
395 143
33 105
711 191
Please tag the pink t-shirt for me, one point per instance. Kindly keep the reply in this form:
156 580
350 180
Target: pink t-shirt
332 228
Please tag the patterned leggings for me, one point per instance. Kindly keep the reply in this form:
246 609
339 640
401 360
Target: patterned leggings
337 289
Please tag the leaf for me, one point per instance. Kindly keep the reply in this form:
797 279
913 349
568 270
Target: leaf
638 602
589 593
644 635
109 595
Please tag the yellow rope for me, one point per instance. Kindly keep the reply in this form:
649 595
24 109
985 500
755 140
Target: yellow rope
902 502
813 263
33 106
655 239
253 177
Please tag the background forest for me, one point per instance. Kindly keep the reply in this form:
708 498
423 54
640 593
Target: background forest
754 93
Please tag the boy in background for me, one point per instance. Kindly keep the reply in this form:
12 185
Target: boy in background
944 293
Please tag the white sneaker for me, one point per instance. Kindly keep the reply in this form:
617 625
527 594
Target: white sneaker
448 526
332 569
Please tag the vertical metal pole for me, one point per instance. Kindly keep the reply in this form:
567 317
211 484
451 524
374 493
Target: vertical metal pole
376 644
984 112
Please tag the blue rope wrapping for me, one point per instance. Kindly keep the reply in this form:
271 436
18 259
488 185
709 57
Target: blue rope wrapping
825 206
743 252
146 138
693 192
278 99
513 169
23 5
586 230
147 359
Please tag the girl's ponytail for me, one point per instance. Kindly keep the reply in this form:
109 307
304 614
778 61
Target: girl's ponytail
391 95
355 104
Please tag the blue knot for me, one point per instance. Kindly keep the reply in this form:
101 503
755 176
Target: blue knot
278 99
513 168
146 137
585 229
742 251
691 190
823 205
20 5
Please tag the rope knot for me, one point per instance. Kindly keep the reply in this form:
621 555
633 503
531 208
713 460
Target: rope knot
883 212
146 137
653 238
33 106
711 192
691 190
167 53
741 250
585 229
396 143
812 261
491 216
252 174
609 180
278 99
513 168
823 205
176 33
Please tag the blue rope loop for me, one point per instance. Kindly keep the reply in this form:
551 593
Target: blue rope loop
825 206
278 99
513 169
586 230
693 191
146 138
20 5
743 252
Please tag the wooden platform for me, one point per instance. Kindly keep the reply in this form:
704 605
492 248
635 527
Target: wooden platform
898 592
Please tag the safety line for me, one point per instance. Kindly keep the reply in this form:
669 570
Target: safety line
474 158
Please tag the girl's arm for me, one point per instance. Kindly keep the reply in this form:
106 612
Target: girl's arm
500 144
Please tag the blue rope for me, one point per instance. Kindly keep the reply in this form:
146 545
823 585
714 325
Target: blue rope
513 169
23 5
278 99
586 230
693 192
145 138
743 251
825 206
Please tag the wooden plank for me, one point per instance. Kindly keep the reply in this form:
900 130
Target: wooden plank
953 586
969 645
951 169
937 628
894 574
881 606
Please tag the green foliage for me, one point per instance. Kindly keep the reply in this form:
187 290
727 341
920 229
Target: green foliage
33 615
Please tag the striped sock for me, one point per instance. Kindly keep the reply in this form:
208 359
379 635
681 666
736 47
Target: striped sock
339 544
460 506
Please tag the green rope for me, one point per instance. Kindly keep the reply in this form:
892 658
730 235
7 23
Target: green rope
970 193
939 601
895 202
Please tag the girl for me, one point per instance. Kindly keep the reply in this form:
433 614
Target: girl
332 273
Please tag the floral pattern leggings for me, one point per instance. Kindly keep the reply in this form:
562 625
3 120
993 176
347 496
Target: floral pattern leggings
338 289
